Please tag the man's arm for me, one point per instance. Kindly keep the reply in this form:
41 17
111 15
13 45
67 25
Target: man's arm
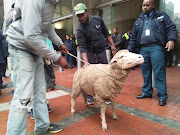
107 36
32 28
112 45
85 58
171 32
56 40
52 35
81 40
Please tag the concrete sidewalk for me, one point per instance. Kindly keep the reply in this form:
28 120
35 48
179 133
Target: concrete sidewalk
136 116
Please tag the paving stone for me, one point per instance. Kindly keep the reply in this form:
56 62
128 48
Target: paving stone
8 85
158 119
176 125
177 98
168 122
148 117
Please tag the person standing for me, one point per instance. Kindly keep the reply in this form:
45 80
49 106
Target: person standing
125 39
70 44
116 37
73 38
90 38
32 24
153 33
2 60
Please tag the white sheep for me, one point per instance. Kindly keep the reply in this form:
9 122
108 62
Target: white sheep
104 81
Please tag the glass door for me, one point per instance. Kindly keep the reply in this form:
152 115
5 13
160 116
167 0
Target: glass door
171 7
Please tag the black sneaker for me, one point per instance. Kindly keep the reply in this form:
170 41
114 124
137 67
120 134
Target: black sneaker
49 109
53 128
90 100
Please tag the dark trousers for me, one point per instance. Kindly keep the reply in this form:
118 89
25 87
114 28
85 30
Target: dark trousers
49 75
96 58
169 58
69 59
2 65
154 59
1 82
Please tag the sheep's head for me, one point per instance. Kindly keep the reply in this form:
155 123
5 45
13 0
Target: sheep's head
125 59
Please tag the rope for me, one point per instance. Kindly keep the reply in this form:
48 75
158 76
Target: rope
79 58
84 62
87 63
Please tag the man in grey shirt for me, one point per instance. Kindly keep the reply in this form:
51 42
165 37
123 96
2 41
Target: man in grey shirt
116 37
90 38
27 35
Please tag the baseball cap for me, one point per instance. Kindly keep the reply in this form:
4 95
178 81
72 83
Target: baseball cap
80 8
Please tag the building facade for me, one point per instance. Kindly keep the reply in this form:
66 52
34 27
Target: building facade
116 13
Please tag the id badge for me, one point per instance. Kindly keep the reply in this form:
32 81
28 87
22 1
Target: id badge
148 32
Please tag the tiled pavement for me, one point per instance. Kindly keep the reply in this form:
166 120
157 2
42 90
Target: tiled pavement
136 116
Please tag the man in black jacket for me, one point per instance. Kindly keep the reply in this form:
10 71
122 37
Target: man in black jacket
153 33
90 38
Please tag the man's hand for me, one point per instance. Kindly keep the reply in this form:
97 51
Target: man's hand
85 59
170 45
63 49
113 48
62 62
85 65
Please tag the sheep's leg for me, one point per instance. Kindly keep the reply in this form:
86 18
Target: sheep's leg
76 91
114 116
84 98
103 117
73 101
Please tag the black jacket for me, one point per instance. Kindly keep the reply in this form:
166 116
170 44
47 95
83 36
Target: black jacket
90 37
164 30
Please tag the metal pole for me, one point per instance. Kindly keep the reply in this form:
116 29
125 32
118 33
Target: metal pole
79 57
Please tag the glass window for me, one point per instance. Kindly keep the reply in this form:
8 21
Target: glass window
64 27
101 1
121 15
1 14
107 16
63 8
171 7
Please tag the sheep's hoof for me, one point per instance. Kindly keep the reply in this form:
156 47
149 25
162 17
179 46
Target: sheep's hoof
104 127
115 117
72 112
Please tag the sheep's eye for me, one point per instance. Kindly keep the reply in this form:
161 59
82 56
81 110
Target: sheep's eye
121 57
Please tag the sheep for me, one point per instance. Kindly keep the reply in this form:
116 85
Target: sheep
104 81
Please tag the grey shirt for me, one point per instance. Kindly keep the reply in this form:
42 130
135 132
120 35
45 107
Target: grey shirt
29 33
90 37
